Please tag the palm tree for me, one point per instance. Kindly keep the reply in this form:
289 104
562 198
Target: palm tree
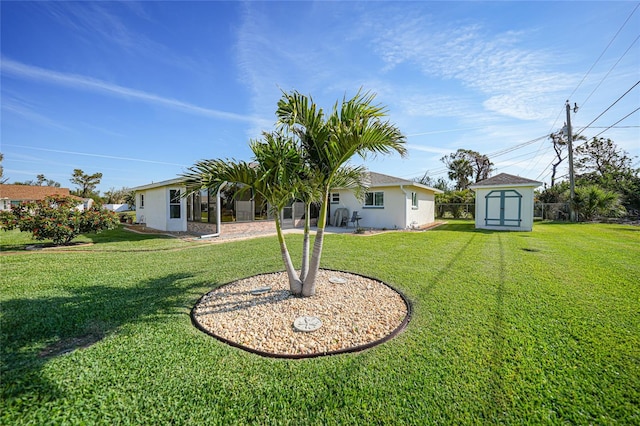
274 175
353 128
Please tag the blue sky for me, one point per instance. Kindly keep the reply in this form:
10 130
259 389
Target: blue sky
141 91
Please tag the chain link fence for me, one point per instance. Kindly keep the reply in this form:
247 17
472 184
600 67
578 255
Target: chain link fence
455 210
544 211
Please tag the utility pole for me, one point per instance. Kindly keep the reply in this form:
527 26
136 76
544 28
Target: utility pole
572 187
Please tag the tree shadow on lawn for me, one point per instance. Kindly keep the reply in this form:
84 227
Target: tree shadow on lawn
120 234
34 330
463 227
109 236
495 401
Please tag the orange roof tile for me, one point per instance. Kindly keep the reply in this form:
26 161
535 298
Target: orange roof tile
30 192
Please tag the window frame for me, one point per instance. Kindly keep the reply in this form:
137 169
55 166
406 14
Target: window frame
377 200
335 198
174 194
141 201
414 200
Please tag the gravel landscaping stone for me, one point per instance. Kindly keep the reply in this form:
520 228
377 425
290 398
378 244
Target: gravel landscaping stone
356 313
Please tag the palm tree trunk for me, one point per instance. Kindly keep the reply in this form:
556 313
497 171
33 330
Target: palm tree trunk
304 270
295 284
309 285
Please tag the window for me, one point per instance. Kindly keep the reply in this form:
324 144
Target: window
374 199
414 200
335 198
142 201
174 204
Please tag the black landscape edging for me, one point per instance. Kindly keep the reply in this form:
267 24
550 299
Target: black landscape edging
359 348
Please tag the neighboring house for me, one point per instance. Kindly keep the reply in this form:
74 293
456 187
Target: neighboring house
13 195
161 205
505 202
391 203
118 208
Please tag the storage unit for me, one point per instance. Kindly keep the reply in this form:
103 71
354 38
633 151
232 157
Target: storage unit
505 202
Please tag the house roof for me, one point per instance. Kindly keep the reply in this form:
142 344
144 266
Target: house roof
379 180
504 179
170 182
30 192
375 180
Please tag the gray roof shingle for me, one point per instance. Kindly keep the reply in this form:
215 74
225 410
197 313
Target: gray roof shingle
506 179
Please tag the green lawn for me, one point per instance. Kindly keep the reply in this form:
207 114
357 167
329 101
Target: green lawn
533 328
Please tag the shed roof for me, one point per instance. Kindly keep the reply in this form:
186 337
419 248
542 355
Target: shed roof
504 179
30 192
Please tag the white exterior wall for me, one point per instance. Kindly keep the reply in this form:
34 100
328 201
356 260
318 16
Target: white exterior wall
397 212
526 213
155 213
425 213
117 207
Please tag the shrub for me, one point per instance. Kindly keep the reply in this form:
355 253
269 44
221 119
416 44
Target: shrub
56 218
591 201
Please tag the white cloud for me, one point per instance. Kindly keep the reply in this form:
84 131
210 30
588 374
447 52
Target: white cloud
426 148
517 82
79 82
27 112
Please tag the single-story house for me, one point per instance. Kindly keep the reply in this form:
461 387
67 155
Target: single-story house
391 203
505 202
13 195
160 205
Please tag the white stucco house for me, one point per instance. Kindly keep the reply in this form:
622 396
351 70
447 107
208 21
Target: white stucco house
505 202
160 205
391 203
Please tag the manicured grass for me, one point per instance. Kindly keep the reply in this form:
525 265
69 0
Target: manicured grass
533 328
118 239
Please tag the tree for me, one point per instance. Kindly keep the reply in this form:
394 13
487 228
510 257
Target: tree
600 162
465 165
41 180
591 200
2 178
303 160
86 183
273 174
440 183
559 140
354 127
130 199
56 218
116 196
454 202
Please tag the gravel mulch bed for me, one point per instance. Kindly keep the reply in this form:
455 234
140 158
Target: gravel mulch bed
356 314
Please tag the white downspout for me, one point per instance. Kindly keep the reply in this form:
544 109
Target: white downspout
405 205
218 214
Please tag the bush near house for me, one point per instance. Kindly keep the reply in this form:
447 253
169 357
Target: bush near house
56 218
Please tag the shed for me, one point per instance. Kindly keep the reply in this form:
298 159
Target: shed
505 202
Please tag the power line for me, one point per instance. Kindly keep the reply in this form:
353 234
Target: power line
603 52
614 127
491 155
623 118
609 72
608 108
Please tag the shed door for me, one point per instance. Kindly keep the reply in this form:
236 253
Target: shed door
503 208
